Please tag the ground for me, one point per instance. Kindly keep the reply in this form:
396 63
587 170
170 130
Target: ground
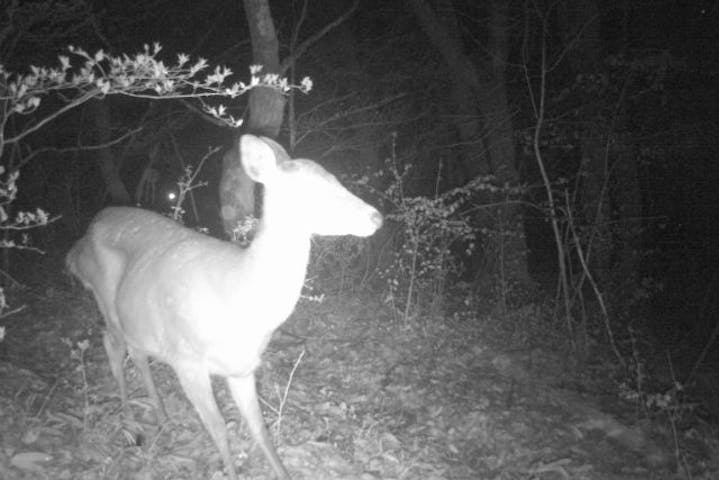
351 390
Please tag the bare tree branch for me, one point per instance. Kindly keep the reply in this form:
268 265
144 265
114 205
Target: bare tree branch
98 146
287 62
78 101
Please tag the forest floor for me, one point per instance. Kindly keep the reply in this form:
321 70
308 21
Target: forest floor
452 396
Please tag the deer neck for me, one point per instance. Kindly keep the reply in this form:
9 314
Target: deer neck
279 255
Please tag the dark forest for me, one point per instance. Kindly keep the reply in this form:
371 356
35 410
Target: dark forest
411 239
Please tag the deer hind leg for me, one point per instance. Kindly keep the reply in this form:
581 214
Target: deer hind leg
116 349
103 288
142 364
244 392
195 381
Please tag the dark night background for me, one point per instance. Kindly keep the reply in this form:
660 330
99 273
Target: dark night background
450 90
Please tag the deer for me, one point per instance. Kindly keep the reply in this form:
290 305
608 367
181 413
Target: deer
207 307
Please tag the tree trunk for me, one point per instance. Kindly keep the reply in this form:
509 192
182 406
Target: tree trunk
614 256
99 113
267 105
483 87
582 16
266 112
627 196
237 192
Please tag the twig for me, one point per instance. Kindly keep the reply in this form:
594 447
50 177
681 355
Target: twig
290 60
593 283
98 146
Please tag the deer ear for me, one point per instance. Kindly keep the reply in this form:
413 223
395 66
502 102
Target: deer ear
281 154
258 158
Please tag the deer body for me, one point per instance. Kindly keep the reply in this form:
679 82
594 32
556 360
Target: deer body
205 306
